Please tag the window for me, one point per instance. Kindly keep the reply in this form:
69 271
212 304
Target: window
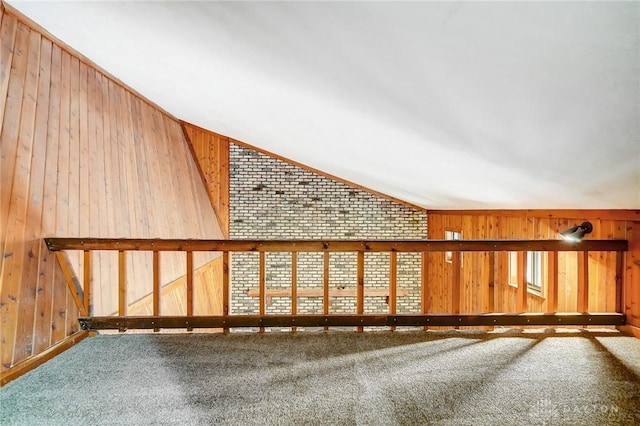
451 235
534 270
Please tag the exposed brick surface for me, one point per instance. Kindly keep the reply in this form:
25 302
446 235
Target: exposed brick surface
271 199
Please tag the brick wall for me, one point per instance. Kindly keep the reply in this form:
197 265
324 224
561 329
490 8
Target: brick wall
271 199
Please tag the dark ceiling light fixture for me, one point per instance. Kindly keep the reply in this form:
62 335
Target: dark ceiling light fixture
577 232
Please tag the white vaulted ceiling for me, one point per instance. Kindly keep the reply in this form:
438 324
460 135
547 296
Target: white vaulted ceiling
448 105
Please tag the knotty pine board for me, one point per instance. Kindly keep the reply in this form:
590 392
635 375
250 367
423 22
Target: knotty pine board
82 156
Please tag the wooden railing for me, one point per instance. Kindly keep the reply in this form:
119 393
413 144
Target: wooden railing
358 319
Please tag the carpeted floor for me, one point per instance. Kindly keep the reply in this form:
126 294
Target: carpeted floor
334 378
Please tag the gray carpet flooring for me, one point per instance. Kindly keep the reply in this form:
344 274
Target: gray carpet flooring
334 378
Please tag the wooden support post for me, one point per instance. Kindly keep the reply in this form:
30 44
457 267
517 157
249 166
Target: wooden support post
552 282
455 282
521 293
491 305
262 286
294 285
583 281
325 299
156 285
424 289
225 287
619 281
87 283
360 288
189 286
122 286
393 283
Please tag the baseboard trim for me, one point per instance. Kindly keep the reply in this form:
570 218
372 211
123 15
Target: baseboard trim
630 329
37 360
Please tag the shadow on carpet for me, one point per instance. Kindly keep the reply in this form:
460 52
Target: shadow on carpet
334 378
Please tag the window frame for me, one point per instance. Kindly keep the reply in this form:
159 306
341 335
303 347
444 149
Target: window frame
535 279
452 236
536 270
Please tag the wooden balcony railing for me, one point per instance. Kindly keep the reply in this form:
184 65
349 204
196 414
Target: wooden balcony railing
359 319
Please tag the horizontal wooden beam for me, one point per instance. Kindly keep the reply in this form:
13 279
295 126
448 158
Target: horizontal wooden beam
586 214
127 244
226 321
319 292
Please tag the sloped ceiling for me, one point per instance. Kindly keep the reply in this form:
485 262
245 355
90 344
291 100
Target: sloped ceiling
448 105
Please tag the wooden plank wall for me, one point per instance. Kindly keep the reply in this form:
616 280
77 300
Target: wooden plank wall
207 294
82 156
631 290
211 152
485 288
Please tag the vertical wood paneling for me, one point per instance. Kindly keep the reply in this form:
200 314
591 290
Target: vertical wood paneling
501 268
7 38
73 200
71 317
13 75
207 298
189 283
435 268
225 283
122 283
619 282
101 189
62 188
600 267
26 301
211 151
109 158
456 282
156 284
59 306
92 168
521 293
552 283
87 282
49 265
171 261
494 260
83 156
42 332
32 235
632 276
86 143
583 282
16 221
